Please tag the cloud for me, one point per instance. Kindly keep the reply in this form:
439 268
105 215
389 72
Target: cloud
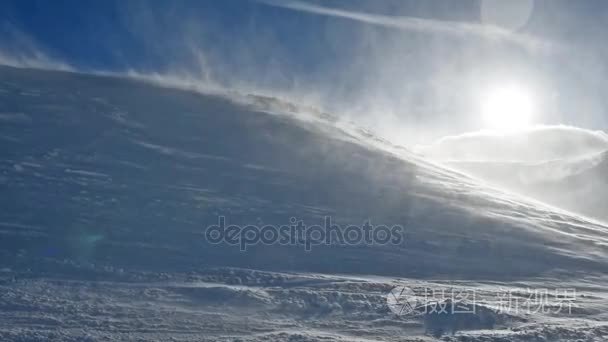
535 144
417 24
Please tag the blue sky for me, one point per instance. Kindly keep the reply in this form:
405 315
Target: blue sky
402 66
115 34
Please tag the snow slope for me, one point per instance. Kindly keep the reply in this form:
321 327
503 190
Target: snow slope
108 185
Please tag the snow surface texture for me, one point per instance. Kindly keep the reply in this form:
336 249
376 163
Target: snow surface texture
108 184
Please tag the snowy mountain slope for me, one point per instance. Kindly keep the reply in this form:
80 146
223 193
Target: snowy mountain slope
102 167
108 185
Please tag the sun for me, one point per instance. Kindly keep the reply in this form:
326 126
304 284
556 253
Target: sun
507 108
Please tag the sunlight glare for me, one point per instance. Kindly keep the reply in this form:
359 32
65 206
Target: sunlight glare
507 108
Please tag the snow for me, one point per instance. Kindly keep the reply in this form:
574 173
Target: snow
104 238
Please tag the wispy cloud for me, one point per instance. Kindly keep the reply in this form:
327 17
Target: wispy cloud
417 24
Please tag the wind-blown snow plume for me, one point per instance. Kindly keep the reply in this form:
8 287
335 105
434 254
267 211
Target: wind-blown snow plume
19 50
36 60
